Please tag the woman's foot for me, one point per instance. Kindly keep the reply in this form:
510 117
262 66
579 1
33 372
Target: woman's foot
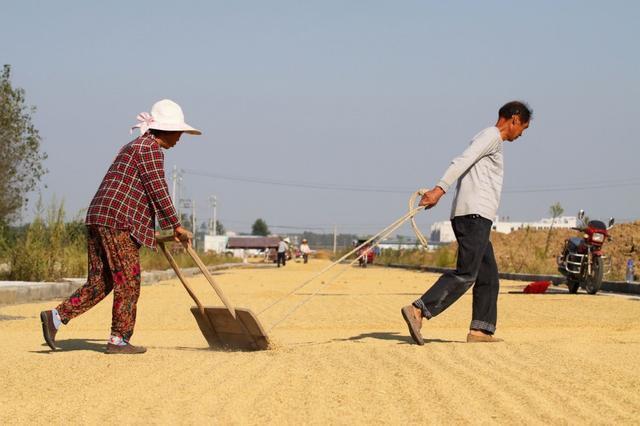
127 349
49 329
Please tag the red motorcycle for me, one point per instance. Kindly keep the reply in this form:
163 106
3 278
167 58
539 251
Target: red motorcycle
582 261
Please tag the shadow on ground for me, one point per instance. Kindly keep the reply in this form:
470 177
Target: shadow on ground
71 345
393 335
359 294
200 349
10 318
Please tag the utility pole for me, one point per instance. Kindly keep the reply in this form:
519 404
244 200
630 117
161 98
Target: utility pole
190 204
176 184
174 180
213 228
335 238
194 223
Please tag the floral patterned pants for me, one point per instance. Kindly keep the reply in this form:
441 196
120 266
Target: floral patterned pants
114 264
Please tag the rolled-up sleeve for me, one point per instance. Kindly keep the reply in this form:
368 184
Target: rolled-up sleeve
151 169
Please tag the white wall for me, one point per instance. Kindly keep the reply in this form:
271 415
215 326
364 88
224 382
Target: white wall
217 244
443 232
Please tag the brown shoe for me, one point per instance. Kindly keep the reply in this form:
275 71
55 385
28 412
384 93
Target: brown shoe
413 323
485 338
127 349
49 330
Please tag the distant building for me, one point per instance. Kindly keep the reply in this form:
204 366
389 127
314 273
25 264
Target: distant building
559 222
399 245
216 243
251 245
443 233
239 246
407 243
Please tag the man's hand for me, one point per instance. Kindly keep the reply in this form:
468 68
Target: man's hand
181 235
430 198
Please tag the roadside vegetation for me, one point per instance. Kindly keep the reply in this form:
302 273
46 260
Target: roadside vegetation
49 249
530 251
443 257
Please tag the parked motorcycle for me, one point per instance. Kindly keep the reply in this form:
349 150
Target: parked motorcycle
582 261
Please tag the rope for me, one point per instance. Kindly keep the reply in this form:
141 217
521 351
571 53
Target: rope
376 240
414 225
382 235
325 269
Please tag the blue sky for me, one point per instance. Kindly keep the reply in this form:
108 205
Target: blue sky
373 94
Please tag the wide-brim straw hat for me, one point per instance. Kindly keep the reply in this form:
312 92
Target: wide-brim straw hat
165 115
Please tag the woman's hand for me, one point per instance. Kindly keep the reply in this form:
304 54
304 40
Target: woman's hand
181 235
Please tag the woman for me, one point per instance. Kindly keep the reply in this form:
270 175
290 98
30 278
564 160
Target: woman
120 219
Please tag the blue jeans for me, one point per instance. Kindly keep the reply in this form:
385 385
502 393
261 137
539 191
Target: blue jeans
476 265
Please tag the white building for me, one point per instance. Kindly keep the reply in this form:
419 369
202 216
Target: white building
399 245
216 243
443 233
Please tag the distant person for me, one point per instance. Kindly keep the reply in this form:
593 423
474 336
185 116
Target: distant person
305 250
630 271
479 172
120 219
282 252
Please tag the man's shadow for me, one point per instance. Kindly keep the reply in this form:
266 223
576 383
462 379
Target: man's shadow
70 345
390 335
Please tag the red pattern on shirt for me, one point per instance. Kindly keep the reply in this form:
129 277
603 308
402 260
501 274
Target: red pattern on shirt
133 191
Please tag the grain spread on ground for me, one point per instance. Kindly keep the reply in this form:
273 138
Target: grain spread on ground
345 357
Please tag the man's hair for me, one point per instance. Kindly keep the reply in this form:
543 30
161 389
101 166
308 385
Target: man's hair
512 108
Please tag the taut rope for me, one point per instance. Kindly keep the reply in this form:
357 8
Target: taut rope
376 239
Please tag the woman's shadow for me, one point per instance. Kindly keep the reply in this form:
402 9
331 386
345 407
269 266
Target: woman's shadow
70 345
390 335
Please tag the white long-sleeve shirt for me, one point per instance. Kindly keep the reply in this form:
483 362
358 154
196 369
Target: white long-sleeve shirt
479 171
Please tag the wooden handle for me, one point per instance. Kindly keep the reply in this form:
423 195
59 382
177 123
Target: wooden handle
209 278
176 268
171 238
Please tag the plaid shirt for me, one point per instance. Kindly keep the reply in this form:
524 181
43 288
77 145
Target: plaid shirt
133 191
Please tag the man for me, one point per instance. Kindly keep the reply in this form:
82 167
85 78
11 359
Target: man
282 252
479 172
121 218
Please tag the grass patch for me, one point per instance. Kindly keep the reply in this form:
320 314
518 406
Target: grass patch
49 249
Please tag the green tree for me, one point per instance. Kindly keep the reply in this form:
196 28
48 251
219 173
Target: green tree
219 228
556 211
260 227
21 160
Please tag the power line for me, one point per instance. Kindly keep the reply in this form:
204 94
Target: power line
307 185
603 184
297 227
570 187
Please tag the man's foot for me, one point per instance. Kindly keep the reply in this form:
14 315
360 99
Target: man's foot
127 349
49 329
482 338
414 323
